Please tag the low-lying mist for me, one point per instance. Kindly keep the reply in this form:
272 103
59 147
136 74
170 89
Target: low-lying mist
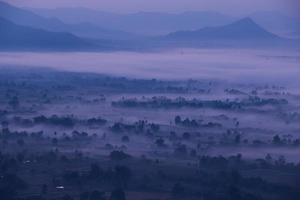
263 66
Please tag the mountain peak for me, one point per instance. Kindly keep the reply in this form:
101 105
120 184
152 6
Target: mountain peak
247 21
249 28
244 29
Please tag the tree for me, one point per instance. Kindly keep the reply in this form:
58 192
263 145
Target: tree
4 124
14 102
193 153
20 142
96 195
186 136
44 189
71 176
160 142
281 161
181 150
236 176
7 193
67 197
117 194
178 190
84 196
122 175
9 186
95 171
269 158
54 141
237 139
234 193
125 138
118 155
276 140
177 119
155 127
13 181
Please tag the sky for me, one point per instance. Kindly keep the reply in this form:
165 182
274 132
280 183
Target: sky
127 6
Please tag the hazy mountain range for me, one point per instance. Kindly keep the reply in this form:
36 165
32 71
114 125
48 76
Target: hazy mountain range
241 33
244 29
154 23
83 29
23 29
148 23
20 37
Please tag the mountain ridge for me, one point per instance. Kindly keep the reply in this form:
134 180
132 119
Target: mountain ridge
243 29
147 23
27 18
14 37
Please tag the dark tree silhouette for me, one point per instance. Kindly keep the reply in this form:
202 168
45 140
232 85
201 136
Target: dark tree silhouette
117 194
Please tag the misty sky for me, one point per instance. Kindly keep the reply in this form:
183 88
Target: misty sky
225 6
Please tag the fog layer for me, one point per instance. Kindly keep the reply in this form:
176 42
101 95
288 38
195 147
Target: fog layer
232 65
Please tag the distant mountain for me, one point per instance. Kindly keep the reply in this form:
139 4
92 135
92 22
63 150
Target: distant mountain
147 23
82 29
92 23
244 29
18 37
155 23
